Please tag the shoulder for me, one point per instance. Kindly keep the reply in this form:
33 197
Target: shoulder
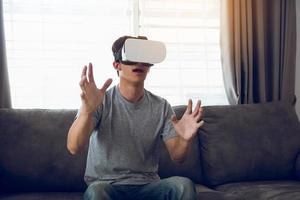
155 98
158 100
109 96
110 91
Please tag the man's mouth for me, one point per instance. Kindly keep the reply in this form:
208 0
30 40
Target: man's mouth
138 70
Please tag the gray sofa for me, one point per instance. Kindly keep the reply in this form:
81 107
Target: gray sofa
242 152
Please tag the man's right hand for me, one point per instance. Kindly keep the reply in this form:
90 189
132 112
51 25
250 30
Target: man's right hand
91 96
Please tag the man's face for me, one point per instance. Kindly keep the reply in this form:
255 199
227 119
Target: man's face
133 73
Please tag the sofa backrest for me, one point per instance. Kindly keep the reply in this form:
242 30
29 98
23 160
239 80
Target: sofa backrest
249 142
33 153
34 156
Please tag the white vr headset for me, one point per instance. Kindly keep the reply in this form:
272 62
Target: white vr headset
141 51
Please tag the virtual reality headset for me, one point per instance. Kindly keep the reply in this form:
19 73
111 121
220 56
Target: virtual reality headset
135 51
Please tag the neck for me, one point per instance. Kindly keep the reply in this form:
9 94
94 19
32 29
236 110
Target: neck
131 92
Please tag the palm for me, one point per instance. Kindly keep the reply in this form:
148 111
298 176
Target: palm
190 122
91 96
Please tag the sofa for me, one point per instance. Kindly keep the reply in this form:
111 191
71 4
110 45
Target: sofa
247 152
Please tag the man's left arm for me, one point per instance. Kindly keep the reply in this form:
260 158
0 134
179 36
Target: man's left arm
186 129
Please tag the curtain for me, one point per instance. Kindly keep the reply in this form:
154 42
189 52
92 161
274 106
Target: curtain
258 50
5 101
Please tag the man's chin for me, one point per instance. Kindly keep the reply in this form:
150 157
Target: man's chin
139 81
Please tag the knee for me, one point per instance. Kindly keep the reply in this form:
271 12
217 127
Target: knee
184 186
98 190
182 182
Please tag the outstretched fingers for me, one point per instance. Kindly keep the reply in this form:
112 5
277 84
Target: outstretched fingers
90 73
87 74
199 124
106 85
198 116
196 110
189 107
83 80
83 73
83 83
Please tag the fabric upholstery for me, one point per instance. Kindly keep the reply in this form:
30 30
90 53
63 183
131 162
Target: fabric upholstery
44 196
236 143
33 153
191 167
249 142
297 166
205 193
263 190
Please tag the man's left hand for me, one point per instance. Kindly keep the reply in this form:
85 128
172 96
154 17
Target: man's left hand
187 127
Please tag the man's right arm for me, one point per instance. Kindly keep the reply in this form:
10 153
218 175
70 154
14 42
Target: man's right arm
79 133
91 98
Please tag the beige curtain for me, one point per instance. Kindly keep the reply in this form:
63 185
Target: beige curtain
258 47
5 101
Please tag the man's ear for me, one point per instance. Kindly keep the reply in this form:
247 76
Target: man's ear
117 65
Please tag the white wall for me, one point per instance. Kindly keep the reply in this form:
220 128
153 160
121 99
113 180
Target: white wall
298 60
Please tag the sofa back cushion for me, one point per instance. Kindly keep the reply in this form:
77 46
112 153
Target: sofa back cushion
249 142
191 167
33 152
34 156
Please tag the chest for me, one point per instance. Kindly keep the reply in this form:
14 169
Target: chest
142 125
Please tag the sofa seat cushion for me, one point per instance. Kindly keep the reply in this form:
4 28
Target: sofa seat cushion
263 190
43 196
205 193
249 142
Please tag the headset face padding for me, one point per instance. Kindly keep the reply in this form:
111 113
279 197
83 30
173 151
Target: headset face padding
143 51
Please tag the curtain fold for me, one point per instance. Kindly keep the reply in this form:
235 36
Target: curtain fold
258 49
5 99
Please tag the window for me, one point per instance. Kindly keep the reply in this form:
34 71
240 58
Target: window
49 41
190 30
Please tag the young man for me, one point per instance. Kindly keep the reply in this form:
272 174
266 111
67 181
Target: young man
125 127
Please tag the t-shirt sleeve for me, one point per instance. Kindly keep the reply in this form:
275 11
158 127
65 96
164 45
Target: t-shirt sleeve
168 130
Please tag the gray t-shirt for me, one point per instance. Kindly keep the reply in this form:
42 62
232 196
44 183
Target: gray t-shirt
124 146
